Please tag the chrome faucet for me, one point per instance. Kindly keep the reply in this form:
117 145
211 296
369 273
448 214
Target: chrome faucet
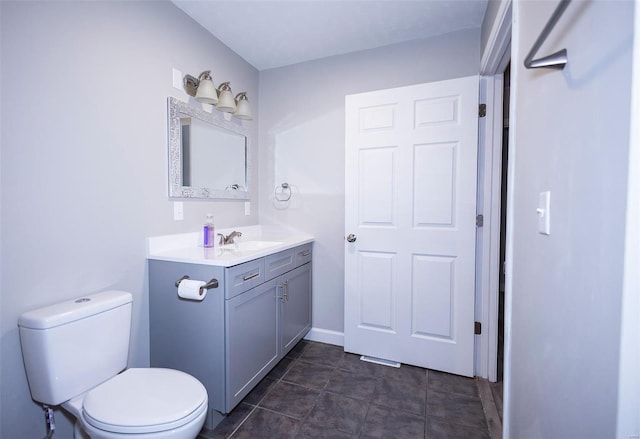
224 240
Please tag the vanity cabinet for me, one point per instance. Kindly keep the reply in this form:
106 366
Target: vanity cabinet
239 332
260 331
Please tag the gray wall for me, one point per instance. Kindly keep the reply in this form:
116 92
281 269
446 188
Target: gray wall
84 161
302 142
571 136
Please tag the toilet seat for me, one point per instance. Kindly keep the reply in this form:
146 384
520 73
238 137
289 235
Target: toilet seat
144 401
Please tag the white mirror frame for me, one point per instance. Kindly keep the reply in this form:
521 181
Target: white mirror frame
176 189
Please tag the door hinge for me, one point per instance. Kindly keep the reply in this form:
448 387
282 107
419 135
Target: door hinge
482 110
478 328
479 220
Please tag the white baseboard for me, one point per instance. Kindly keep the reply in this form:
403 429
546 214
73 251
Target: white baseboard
325 336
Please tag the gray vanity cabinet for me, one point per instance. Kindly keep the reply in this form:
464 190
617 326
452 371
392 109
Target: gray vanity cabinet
251 339
239 332
295 305
260 330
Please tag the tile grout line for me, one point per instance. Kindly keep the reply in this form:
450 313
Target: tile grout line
242 422
303 420
256 406
364 422
325 391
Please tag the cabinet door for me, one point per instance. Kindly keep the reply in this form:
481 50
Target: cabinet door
296 306
251 339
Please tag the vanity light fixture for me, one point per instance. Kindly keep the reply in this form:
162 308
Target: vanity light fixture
204 91
226 103
201 88
243 110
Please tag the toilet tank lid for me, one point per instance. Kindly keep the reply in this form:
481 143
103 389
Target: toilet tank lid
74 309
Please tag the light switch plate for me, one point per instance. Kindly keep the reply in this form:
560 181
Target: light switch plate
544 213
247 208
177 79
178 210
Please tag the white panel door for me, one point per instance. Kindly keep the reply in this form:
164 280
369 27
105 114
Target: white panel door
411 156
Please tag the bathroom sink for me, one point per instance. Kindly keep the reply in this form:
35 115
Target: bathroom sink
249 246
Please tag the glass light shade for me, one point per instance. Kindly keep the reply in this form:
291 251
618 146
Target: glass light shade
206 92
243 109
226 102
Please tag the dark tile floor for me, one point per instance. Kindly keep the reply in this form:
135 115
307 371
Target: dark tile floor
319 391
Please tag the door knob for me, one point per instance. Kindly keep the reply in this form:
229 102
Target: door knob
351 238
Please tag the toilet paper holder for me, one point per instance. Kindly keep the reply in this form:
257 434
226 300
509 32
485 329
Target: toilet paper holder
213 283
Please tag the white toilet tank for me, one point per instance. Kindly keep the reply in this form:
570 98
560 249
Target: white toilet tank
71 347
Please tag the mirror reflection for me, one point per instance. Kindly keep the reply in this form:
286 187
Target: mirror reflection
208 157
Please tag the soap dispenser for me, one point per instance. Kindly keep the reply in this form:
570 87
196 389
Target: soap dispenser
209 231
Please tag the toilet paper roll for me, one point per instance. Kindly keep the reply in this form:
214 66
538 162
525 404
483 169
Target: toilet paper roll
190 289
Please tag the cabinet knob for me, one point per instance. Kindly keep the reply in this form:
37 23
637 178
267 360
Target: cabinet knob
351 238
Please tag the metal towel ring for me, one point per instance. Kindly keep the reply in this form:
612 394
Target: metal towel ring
284 194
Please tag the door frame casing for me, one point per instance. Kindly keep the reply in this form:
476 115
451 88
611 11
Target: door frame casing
495 58
488 236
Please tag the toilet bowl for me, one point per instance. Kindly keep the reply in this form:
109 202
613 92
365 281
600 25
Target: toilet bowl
75 355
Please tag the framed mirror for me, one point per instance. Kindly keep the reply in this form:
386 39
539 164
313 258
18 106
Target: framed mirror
208 156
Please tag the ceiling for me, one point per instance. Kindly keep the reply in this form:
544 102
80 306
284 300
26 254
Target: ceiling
269 34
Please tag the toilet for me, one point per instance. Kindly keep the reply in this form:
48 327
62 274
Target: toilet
75 354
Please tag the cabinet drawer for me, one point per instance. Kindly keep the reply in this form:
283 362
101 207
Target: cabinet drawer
279 263
241 277
303 254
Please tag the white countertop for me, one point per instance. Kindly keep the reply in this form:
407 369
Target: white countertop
187 247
